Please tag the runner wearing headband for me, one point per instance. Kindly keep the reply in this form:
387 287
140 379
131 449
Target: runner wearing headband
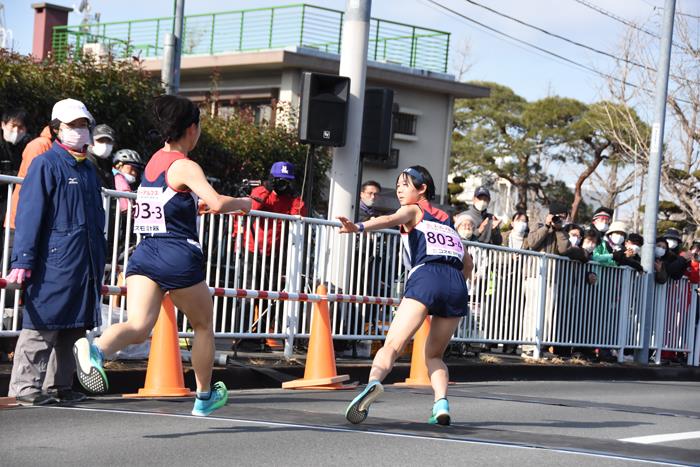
436 286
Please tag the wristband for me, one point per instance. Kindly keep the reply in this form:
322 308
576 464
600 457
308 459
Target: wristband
360 227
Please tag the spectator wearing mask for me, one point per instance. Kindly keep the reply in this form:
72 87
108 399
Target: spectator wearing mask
550 236
100 154
677 262
613 241
369 192
128 166
602 217
662 258
466 224
59 253
487 230
14 140
576 252
516 237
630 254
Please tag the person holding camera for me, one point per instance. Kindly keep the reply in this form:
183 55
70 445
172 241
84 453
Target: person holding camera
550 237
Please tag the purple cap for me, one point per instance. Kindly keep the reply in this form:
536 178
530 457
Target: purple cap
282 170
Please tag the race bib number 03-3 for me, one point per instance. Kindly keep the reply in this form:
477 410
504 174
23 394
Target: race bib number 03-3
442 240
149 213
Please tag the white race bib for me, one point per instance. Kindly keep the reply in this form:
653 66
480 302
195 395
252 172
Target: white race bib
442 240
149 211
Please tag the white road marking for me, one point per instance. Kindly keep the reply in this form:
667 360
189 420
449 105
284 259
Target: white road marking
653 439
363 432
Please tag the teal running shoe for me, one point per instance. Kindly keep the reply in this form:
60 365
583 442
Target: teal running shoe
359 407
89 366
218 399
441 413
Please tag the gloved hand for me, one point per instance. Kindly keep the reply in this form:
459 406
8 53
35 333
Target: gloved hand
19 275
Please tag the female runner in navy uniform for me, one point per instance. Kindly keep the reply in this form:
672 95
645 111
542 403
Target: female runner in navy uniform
169 258
438 267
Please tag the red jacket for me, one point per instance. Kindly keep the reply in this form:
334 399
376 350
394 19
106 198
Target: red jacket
270 201
693 272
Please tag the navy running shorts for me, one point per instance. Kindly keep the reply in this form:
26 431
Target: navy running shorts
441 288
172 263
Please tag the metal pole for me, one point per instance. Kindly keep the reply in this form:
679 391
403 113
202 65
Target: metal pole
353 64
168 55
655 156
177 31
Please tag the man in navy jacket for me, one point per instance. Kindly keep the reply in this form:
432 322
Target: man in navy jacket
59 251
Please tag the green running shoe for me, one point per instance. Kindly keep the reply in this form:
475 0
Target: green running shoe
441 413
218 399
89 366
359 407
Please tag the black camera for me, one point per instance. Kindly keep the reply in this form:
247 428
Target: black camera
243 189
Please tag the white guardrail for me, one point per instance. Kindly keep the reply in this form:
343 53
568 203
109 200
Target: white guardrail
516 296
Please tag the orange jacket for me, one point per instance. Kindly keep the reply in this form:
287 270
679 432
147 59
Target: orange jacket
35 147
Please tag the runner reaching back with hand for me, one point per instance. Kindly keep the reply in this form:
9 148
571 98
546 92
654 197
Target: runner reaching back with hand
436 286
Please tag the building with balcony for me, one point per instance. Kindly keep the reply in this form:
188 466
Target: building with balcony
255 59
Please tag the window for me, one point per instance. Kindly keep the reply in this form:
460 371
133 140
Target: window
405 124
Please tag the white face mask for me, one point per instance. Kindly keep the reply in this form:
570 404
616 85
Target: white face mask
129 178
12 136
601 226
589 247
672 243
102 150
75 138
659 251
635 248
519 227
573 239
368 202
617 238
480 205
466 233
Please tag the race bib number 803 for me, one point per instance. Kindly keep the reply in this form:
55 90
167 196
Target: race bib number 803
149 212
442 240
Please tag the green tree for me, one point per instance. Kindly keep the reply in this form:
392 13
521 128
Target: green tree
507 136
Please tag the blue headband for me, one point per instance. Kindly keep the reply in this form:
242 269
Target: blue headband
415 174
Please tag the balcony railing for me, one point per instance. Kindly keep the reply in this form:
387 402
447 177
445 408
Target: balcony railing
257 29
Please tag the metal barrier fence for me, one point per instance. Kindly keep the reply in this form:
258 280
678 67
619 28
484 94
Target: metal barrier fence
516 296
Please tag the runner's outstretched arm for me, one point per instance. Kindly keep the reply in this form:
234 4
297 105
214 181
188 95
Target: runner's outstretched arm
404 215
185 173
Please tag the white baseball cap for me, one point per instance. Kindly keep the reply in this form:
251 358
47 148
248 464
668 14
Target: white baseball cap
69 110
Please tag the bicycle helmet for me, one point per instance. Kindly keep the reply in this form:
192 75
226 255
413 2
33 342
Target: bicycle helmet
128 156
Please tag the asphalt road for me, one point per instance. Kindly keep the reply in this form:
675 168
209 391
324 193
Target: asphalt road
500 423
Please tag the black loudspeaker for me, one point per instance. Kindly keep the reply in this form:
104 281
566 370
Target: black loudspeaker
323 114
377 122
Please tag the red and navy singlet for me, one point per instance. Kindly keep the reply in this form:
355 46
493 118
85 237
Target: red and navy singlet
174 214
169 253
433 253
433 239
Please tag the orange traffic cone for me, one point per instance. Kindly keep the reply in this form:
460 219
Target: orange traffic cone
320 371
164 374
419 370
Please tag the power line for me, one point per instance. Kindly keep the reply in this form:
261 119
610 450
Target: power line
536 47
624 21
558 36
